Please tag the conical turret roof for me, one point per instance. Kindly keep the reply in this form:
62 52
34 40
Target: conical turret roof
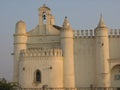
66 24
101 23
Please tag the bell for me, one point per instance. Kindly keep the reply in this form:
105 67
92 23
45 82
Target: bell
44 17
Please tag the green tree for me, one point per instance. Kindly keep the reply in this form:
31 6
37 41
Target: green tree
4 85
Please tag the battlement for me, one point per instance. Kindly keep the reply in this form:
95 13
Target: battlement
84 33
90 33
41 52
114 33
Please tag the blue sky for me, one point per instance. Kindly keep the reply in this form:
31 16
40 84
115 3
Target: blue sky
82 14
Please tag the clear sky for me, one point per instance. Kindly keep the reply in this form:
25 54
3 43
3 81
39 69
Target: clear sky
82 14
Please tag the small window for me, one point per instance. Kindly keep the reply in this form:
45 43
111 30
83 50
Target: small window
102 44
38 76
117 77
23 68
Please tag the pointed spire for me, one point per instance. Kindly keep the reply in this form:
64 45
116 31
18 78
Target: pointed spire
66 24
101 23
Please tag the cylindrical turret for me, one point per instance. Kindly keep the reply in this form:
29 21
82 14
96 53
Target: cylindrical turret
20 39
102 55
67 46
20 27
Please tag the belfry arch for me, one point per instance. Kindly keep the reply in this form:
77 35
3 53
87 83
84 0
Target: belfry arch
44 17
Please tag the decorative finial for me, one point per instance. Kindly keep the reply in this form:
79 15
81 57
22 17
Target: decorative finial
44 5
65 17
66 24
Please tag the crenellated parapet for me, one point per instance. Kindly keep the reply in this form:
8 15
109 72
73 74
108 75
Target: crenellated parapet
84 33
114 32
90 33
41 53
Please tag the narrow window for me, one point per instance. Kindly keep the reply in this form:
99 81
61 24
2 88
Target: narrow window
44 18
38 76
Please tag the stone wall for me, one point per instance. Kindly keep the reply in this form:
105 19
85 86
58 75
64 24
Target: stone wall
84 51
49 62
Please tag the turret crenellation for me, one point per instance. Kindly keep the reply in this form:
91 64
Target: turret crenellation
41 53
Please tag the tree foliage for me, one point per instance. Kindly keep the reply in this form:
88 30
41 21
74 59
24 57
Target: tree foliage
4 85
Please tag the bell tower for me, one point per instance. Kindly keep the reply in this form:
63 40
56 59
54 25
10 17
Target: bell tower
44 15
46 19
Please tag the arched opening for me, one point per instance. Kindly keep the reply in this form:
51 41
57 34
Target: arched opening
44 17
115 75
38 76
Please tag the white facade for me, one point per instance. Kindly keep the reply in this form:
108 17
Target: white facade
58 56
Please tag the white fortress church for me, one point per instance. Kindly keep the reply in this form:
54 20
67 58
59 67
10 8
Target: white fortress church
59 56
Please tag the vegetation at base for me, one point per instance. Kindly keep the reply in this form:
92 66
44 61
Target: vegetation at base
4 85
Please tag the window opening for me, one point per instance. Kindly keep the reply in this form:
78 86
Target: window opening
117 77
38 76
44 17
